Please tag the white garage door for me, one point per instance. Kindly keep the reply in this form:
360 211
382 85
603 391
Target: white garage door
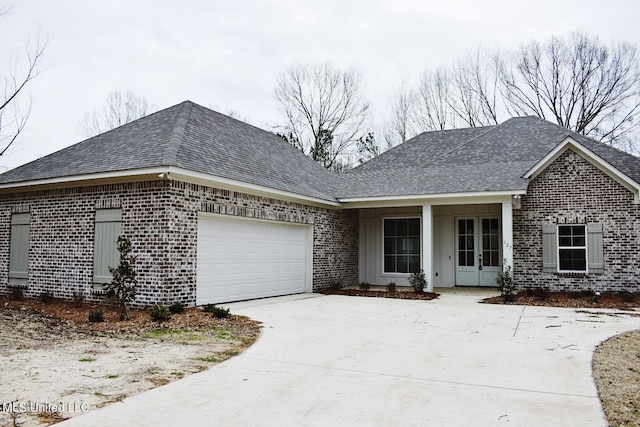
240 259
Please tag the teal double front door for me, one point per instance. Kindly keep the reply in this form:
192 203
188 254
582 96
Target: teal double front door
478 250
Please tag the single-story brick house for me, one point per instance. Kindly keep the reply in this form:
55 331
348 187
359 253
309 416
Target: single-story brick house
219 210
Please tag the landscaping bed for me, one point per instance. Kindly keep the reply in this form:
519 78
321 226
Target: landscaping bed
380 294
56 364
579 299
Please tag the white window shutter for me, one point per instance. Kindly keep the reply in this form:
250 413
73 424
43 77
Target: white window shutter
549 248
594 242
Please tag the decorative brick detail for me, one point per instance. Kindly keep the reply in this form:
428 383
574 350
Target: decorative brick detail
161 218
573 191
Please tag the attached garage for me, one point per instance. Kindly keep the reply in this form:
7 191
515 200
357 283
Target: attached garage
240 259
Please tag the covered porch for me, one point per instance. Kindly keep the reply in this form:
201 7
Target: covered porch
461 241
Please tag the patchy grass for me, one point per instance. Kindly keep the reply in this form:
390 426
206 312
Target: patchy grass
616 371
87 359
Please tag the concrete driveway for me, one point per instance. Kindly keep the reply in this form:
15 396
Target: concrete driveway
345 361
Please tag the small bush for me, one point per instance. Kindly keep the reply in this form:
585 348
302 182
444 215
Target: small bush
159 313
587 293
418 281
96 316
364 286
391 287
17 294
627 296
176 308
78 298
220 313
46 297
208 308
575 294
506 284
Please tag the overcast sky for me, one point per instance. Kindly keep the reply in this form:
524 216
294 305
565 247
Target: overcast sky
227 54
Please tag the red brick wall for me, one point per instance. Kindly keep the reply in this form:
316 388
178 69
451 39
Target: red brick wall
572 190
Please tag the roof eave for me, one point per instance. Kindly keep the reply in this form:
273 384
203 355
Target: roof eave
439 199
165 172
591 157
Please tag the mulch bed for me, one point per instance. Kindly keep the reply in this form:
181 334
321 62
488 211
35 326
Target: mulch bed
614 300
76 316
381 294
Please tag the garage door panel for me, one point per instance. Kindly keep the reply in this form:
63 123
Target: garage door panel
245 259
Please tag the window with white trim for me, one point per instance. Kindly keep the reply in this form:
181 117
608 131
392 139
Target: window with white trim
401 245
572 248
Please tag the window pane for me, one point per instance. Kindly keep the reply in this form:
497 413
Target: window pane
564 240
564 230
469 243
470 259
494 226
573 260
401 227
389 245
403 264
413 227
462 243
389 227
462 258
462 226
389 263
486 226
486 258
414 263
578 241
469 226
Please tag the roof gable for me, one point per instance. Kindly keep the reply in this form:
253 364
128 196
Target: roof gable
571 144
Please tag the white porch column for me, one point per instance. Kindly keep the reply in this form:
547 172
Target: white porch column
507 233
427 245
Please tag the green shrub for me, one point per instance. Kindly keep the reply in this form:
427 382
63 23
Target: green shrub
418 281
506 284
124 283
627 296
96 316
46 297
364 286
17 294
159 313
220 313
176 308
391 287
208 308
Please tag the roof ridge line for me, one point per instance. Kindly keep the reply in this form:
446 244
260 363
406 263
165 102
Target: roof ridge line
175 140
489 129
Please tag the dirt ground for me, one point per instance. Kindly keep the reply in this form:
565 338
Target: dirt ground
375 293
583 299
55 364
616 371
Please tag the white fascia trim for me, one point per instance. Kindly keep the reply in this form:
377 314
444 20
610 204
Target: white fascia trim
593 158
87 177
179 174
200 178
418 199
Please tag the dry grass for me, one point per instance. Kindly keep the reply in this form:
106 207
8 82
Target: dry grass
616 371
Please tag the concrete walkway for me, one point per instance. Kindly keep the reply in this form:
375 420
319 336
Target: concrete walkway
349 361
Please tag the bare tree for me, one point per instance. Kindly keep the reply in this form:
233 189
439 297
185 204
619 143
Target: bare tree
578 82
432 100
575 81
402 104
325 112
23 69
120 108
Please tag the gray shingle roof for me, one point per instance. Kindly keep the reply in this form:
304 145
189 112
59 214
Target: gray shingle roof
470 160
191 137
195 138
